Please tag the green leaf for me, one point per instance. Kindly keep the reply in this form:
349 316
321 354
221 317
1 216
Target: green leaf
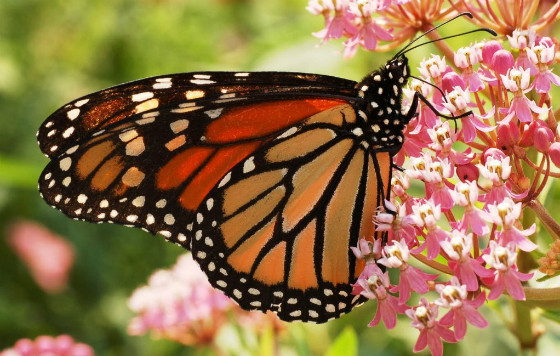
552 315
266 344
346 344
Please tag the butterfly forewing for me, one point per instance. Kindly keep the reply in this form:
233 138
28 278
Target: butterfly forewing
79 118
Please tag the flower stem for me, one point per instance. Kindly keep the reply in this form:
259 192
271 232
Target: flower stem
545 218
523 326
435 265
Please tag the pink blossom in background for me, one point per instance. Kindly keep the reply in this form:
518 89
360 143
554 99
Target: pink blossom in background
179 304
62 345
49 257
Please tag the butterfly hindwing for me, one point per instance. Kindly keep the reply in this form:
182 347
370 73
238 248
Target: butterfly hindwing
274 234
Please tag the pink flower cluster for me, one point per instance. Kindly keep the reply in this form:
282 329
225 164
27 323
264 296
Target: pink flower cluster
179 304
62 345
352 19
477 176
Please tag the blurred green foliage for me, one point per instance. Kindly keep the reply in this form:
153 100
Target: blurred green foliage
52 51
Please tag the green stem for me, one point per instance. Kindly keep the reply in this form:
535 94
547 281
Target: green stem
543 215
523 326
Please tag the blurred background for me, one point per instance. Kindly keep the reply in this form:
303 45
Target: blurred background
54 51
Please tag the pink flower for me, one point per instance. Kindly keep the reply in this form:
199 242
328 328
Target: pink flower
458 103
466 195
502 260
517 81
48 256
497 170
374 284
180 305
434 68
400 225
427 215
458 247
431 331
335 26
62 345
466 58
523 40
396 256
506 214
443 138
367 250
368 32
426 116
541 56
454 296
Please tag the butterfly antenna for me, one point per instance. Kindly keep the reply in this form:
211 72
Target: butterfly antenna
492 32
432 29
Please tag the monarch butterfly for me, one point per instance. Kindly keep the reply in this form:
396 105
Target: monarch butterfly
267 177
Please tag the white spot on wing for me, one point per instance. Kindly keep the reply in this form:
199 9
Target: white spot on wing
241 74
142 96
249 165
80 102
214 113
73 114
225 180
202 81
82 198
65 163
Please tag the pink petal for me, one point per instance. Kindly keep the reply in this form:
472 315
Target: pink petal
513 287
447 319
497 288
474 317
434 343
422 341
404 289
388 314
521 106
445 333
460 325
377 317
468 277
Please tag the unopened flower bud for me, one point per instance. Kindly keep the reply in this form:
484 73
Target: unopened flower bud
554 152
544 137
451 80
467 172
508 136
488 51
502 61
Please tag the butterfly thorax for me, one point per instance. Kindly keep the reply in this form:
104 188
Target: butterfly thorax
381 104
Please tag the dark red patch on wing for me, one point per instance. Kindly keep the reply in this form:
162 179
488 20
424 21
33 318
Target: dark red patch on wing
182 166
221 162
261 119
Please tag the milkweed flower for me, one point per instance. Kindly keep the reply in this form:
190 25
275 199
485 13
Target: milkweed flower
396 256
542 56
180 305
431 331
63 345
374 284
517 81
505 214
454 297
458 247
506 276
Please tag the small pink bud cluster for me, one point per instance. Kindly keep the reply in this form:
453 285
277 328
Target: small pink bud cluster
62 345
